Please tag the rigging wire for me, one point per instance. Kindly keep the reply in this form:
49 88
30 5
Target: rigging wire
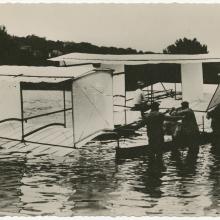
91 102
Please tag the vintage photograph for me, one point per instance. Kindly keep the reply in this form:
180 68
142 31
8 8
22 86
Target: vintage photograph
109 110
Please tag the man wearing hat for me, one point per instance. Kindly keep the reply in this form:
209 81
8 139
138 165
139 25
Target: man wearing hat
189 129
154 121
140 103
155 128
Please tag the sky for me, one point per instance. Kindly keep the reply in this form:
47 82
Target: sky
147 27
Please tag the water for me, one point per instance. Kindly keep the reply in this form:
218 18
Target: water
90 181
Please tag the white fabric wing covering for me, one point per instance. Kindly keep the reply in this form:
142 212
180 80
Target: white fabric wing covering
92 106
92 92
134 59
11 76
192 81
215 99
9 98
45 71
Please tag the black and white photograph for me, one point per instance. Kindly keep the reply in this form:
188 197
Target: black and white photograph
109 109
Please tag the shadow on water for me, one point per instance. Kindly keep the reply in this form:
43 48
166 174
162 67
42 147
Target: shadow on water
11 173
185 164
150 176
169 176
214 179
90 182
61 186
153 170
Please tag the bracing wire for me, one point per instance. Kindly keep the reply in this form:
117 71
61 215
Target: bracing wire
100 114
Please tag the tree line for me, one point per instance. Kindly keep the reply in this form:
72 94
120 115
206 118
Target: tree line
35 50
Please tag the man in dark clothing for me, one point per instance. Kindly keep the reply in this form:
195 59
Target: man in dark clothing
215 124
189 129
155 132
154 121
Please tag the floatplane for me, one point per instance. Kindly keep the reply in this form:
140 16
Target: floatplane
89 87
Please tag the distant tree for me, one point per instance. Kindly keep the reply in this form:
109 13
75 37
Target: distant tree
4 42
3 30
186 46
149 52
8 47
34 50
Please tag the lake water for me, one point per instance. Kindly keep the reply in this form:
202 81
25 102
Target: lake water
90 181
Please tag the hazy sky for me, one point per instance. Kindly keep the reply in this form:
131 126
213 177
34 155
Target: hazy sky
143 27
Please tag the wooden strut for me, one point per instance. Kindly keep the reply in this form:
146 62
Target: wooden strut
45 114
36 142
74 145
10 119
125 109
152 95
22 115
64 107
42 127
175 90
203 124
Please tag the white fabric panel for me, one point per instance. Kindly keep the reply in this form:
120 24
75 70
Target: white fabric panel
46 71
192 81
118 82
119 89
39 79
92 105
10 85
134 59
215 99
119 98
9 98
118 68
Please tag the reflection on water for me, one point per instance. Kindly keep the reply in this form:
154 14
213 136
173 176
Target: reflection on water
89 181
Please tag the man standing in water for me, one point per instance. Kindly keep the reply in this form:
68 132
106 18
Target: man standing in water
189 132
154 121
155 128
215 124
140 102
